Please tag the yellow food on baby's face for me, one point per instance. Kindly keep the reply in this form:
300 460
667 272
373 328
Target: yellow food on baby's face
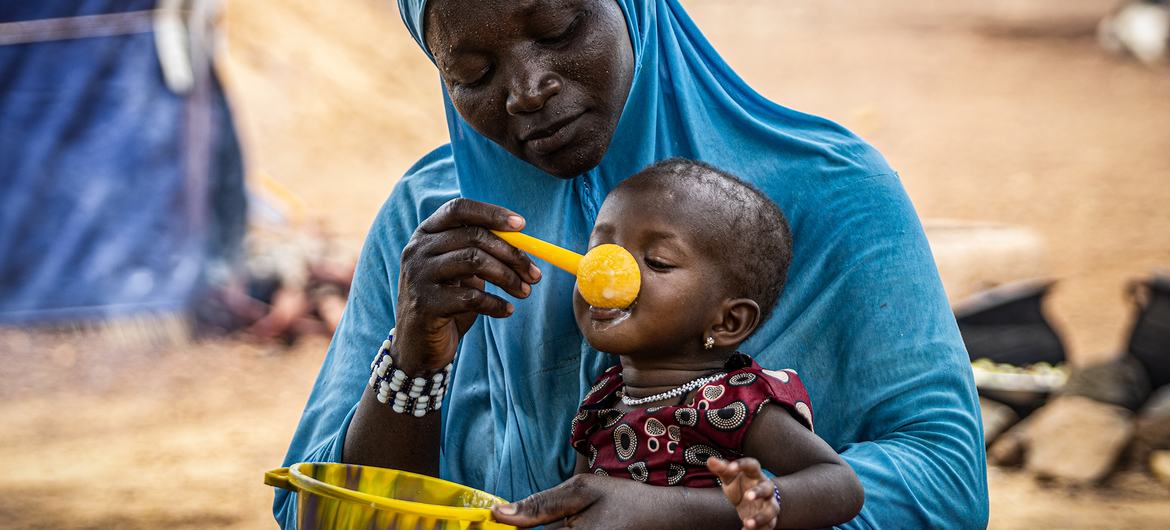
608 276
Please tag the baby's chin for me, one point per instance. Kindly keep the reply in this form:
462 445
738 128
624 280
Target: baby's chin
606 339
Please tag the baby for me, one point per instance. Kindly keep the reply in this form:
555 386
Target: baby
684 407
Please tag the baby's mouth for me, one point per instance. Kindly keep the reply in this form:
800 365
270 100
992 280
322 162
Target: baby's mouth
612 313
606 313
604 318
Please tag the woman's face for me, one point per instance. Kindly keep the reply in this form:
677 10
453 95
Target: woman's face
545 79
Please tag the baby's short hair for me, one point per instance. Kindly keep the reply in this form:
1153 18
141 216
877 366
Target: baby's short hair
749 228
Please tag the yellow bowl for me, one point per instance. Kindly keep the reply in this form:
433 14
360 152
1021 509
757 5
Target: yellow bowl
351 497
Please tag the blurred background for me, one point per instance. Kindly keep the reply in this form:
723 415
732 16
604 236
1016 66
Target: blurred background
184 185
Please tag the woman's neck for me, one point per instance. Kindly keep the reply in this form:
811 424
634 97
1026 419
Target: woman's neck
646 377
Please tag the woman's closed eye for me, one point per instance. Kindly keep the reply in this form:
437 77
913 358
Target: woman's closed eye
565 35
473 80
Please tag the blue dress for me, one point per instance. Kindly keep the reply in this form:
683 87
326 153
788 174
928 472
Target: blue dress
863 317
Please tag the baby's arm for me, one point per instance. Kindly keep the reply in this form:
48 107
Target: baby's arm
582 465
817 488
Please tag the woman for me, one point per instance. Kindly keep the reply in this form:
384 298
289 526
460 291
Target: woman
549 106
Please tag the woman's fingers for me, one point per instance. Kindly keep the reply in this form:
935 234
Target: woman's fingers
466 212
465 263
482 238
566 500
457 299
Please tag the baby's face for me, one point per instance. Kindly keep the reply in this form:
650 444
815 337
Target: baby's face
681 287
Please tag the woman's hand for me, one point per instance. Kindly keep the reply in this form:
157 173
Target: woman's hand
441 285
583 501
594 502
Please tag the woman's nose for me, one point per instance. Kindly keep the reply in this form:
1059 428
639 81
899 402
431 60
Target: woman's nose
529 93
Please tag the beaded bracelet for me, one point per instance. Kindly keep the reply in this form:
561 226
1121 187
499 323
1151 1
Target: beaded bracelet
418 395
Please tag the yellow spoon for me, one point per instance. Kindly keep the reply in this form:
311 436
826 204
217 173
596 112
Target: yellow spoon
607 275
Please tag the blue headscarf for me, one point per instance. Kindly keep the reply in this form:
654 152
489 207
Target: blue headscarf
863 318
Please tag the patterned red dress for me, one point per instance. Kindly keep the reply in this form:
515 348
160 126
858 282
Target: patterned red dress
669 445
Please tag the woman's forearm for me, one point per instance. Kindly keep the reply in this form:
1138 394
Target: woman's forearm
378 436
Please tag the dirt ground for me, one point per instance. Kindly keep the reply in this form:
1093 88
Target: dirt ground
1001 110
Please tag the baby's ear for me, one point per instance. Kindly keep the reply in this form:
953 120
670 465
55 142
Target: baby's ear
740 317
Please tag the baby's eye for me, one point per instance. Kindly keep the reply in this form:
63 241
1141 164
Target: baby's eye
658 265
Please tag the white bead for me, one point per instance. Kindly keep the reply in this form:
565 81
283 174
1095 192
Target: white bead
438 377
424 399
438 404
400 398
398 408
395 385
415 393
384 387
399 375
383 398
420 382
373 379
386 345
420 413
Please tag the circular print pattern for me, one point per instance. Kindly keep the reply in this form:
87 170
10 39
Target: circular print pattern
600 384
654 427
601 472
779 375
712 392
675 474
638 471
697 455
625 441
686 416
728 418
671 446
674 433
592 455
804 411
610 417
652 445
742 379
580 417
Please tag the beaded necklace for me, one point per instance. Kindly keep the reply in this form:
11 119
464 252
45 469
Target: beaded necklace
683 389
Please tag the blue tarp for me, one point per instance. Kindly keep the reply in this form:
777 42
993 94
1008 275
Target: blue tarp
116 194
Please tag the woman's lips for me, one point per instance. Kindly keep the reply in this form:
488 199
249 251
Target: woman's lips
554 139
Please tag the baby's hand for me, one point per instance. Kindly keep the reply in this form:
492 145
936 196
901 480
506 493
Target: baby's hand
749 490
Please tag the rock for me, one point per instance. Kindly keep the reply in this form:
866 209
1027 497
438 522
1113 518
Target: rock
997 418
1160 466
1076 439
1152 428
973 255
1008 448
1122 382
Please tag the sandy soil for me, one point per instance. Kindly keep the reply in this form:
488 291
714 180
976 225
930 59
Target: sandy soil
990 112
